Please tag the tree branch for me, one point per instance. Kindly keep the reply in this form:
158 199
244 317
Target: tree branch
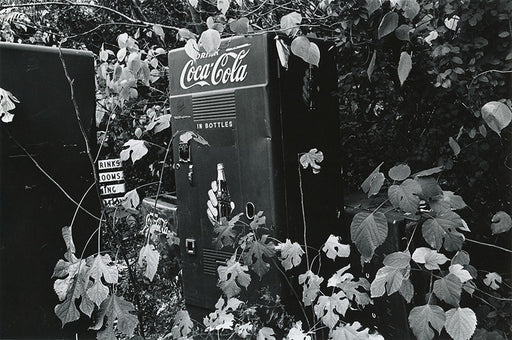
104 8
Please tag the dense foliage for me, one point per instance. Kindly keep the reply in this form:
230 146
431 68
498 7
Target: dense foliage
423 83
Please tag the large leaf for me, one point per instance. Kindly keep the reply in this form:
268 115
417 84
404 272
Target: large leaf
411 8
387 279
67 311
501 222
223 5
492 280
373 182
210 41
283 51
160 123
134 149
290 254
448 289
372 5
399 172
182 326
116 308
333 248
460 323
266 333
459 271
240 26
306 50
403 32
429 257
290 23
497 115
253 257
441 229
404 67
329 308
353 331
150 257
423 320
368 231
225 232
232 277
405 196
310 287
388 24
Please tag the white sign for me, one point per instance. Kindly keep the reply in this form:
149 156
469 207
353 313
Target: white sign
112 189
105 164
110 202
111 176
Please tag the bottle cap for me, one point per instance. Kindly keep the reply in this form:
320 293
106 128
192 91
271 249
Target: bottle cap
220 166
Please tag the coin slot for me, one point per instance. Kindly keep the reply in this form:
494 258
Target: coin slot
249 210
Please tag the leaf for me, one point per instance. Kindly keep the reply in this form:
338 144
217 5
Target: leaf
134 149
399 172
454 145
101 267
405 196
192 50
429 172
460 323
182 326
306 50
398 259
430 189
149 256
210 41
290 23
448 289
86 305
223 6
423 320
333 248
411 8
225 233
501 222
131 199
266 333
372 5
296 332
254 255
461 257
492 280
159 32
388 24
327 308
442 229
452 23
193 3
232 277
283 52
404 67
407 290
340 276
70 245
160 123
368 231
67 311
98 292
455 202
311 287
387 279
353 331
113 308
373 182
291 254
350 288
402 32
459 271
482 130
185 34
312 158
371 66
240 26
429 257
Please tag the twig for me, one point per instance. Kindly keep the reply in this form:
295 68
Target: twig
485 72
50 177
80 124
303 217
489 245
79 205
87 4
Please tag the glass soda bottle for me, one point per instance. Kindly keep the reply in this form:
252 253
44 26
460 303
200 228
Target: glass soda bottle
223 198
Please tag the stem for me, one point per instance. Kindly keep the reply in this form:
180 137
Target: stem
410 240
303 217
80 124
489 245
78 207
50 177
163 166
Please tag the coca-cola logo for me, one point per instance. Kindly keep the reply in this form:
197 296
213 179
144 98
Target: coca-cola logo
228 68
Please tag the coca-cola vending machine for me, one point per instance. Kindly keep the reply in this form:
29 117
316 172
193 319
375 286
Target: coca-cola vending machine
257 117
